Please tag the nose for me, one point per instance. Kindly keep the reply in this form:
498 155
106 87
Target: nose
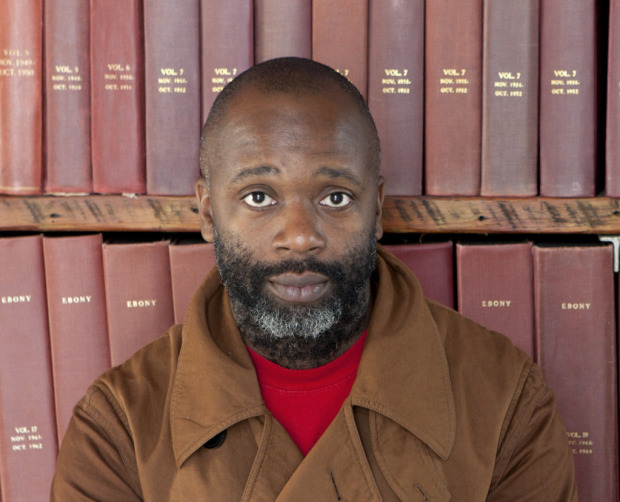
299 230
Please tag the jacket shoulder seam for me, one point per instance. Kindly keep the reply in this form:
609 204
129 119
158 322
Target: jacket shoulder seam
510 440
98 420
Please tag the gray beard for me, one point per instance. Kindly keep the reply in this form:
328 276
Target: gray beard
295 335
307 323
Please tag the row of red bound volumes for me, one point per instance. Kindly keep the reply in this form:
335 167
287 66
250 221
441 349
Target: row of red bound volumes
70 307
492 98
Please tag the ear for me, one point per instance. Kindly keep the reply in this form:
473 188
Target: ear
379 208
204 209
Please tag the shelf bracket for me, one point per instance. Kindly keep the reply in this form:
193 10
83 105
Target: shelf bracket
615 242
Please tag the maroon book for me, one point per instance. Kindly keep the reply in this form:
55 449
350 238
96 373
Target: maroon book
340 38
28 445
117 104
396 90
576 337
432 264
21 96
282 29
172 90
77 318
568 82
453 91
227 45
189 264
612 135
510 98
138 295
495 287
67 97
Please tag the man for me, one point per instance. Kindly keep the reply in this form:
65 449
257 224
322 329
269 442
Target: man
314 369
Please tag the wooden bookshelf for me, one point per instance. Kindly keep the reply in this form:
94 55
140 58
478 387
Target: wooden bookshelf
482 215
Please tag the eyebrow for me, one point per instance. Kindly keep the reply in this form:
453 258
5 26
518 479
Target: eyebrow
334 173
248 172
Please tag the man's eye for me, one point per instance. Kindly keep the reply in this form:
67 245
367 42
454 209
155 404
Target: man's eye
258 199
336 200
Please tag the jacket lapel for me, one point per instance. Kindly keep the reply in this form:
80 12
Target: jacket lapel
215 385
403 372
335 469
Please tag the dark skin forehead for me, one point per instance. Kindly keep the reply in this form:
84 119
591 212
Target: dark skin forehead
256 98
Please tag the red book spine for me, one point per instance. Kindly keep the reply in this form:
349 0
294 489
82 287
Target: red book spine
77 318
21 96
432 264
495 287
340 38
612 135
568 101
453 90
28 445
189 265
227 45
172 90
67 97
576 337
138 295
510 98
117 105
396 90
282 29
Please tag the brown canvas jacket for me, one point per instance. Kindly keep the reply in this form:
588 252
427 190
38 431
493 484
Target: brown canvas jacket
442 409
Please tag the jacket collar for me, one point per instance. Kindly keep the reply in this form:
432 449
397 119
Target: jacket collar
403 373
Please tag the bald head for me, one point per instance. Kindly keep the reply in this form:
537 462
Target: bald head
292 76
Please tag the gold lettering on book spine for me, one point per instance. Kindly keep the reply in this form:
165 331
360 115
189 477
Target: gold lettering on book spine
581 443
172 81
66 78
565 83
26 438
119 77
221 76
16 63
396 81
508 85
454 81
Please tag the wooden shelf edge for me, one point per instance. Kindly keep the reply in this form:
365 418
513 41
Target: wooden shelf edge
99 213
482 215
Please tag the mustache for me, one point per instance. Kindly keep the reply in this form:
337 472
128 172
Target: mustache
335 271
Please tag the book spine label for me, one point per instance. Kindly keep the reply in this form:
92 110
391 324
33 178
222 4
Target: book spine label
510 98
227 45
138 295
453 90
117 69
340 38
396 91
77 318
172 88
21 96
495 287
67 97
282 29
28 445
576 338
568 81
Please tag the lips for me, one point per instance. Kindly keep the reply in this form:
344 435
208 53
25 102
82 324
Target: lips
306 287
